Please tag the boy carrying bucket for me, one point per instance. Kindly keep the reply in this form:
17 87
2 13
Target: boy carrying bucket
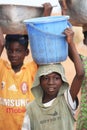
15 79
55 102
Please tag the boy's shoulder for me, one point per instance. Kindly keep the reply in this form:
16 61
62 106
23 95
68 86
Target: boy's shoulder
4 62
30 105
32 67
32 63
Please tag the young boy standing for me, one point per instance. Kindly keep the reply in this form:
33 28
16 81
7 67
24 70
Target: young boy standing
15 79
55 103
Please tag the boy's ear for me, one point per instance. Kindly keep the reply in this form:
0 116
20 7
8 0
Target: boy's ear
27 52
84 41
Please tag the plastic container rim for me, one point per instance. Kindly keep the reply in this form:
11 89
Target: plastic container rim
47 33
46 19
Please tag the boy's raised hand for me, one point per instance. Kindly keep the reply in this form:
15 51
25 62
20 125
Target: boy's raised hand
47 9
2 42
69 35
1 37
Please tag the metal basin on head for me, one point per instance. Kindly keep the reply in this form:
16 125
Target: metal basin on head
77 10
13 15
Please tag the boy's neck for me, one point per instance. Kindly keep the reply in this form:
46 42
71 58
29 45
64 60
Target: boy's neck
48 98
17 68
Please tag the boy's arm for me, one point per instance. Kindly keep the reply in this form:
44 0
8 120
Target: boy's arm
63 6
74 56
47 9
1 41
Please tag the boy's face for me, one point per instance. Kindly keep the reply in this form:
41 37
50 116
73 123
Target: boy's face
51 84
16 53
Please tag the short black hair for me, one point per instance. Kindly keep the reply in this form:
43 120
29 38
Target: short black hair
22 39
85 34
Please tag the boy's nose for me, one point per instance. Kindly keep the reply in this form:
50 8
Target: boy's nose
13 53
51 81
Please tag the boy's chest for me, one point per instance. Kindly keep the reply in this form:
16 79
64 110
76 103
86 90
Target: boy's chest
58 116
15 83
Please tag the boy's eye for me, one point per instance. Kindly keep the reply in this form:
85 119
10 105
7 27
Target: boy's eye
57 77
44 78
9 51
16 51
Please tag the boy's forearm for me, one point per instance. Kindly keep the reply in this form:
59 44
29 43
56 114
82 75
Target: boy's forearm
2 42
77 81
63 4
74 56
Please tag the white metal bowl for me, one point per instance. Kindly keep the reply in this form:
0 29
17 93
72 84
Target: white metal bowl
78 12
14 12
12 17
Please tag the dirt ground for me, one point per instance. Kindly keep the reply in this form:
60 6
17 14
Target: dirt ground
69 68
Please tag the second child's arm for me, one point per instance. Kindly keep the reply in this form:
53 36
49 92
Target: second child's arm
74 56
63 6
2 43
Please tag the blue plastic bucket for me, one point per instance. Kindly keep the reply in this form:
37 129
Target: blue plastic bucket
50 24
47 48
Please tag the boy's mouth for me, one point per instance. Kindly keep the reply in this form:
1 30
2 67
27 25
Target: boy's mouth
51 89
14 59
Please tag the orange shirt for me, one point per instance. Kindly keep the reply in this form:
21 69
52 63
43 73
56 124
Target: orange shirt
14 94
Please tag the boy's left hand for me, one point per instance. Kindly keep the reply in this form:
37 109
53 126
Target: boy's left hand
69 35
47 9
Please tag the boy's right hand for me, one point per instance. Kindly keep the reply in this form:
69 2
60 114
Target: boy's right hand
2 42
47 9
1 37
63 6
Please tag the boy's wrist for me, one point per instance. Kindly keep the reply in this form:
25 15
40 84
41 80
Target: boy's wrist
63 4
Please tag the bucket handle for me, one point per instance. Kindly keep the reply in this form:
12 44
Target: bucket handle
46 33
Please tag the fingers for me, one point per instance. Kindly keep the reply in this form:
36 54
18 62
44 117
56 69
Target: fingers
69 35
47 4
47 9
69 31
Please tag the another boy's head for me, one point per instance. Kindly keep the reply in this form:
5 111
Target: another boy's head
21 39
51 79
85 37
50 84
17 48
